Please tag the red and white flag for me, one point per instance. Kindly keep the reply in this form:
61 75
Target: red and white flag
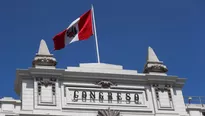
79 29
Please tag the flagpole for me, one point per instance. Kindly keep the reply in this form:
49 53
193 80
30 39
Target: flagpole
95 33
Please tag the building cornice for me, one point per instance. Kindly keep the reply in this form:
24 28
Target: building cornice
62 74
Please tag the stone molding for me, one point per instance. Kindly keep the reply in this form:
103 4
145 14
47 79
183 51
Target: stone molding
105 84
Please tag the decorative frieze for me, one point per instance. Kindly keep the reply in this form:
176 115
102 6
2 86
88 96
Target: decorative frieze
108 112
44 61
155 68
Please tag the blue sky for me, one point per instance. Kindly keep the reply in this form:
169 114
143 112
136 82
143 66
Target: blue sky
175 29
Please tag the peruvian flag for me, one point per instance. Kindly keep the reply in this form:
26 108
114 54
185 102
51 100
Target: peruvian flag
79 29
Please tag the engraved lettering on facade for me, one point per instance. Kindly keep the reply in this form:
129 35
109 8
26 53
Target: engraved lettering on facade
106 97
128 98
75 97
109 97
101 98
136 98
84 96
119 98
92 96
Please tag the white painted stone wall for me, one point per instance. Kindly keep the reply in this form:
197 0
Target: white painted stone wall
179 101
195 113
9 106
27 94
195 109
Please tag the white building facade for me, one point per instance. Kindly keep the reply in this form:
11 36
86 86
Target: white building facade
97 89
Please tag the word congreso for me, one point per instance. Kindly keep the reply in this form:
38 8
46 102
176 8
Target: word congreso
105 96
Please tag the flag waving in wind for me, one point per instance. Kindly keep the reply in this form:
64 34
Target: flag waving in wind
79 29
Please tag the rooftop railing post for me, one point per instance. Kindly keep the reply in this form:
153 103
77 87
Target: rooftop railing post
189 98
201 102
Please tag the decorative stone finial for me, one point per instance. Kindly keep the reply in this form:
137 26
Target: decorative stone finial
43 49
152 57
43 57
153 64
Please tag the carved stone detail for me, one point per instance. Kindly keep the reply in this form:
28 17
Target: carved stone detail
105 84
46 82
162 89
108 112
44 60
156 68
